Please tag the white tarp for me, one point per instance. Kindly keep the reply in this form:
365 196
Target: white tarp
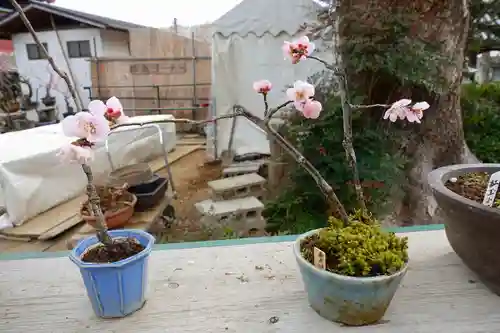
33 180
246 47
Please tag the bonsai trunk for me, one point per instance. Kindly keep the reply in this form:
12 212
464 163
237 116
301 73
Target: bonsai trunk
95 205
439 140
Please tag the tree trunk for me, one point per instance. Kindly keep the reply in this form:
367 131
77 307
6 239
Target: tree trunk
439 140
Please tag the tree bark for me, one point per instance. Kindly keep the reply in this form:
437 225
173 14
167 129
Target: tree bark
439 140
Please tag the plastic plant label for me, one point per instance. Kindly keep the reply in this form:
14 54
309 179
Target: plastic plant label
319 258
492 189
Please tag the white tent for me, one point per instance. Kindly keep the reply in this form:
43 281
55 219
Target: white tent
246 47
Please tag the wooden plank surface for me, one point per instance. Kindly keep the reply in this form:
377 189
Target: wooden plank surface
64 216
239 288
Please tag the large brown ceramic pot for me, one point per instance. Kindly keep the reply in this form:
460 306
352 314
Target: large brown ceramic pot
472 228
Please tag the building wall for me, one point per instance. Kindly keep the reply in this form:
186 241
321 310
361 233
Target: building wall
115 43
38 71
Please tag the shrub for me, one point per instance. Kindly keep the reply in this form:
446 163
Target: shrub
481 117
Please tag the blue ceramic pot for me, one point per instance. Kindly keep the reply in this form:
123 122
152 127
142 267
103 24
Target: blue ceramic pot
348 300
115 289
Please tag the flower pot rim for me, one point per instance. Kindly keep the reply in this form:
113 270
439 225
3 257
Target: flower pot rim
114 234
115 213
436 180
325 273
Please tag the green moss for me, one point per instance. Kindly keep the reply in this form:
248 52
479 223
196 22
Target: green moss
361 249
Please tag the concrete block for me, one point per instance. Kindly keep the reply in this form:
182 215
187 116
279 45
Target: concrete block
243 216
242 186
238 169
250 206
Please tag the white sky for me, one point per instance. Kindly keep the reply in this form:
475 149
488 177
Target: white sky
155 13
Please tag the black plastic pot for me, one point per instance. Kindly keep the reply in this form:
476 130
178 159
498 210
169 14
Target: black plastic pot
149 194
49 101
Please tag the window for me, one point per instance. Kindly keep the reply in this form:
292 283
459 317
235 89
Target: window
34 52
79 49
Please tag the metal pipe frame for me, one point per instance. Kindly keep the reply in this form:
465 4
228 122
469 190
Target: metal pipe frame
162 141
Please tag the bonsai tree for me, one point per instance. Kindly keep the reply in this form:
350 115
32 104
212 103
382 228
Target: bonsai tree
354 244
89 128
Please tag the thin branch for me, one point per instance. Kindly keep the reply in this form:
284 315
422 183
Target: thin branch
56 69
358 107
346 116
266 105
273 111
337 71
66 59
178 121
347 143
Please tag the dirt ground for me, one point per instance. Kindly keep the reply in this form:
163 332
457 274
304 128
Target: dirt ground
191 175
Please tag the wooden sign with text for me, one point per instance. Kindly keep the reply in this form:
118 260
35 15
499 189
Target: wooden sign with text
319 258
160 68
492 189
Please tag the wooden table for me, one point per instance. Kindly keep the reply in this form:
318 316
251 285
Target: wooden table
239 288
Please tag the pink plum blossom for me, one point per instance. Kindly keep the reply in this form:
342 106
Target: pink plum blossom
397 110
298 50
262 86
91 126
71 153
310 109
416 112
300 92
114 107
403 110
112 110
289 52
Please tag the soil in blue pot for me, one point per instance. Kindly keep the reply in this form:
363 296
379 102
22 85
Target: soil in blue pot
119 250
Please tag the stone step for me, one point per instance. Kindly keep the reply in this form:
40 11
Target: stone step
241 215
235 187
241 168
225 208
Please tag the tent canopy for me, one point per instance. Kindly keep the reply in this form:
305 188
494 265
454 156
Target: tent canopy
246 47
266 16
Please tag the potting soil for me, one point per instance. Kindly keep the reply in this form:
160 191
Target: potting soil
119 250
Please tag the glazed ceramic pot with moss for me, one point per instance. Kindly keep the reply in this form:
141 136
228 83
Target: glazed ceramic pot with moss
473 229
352 301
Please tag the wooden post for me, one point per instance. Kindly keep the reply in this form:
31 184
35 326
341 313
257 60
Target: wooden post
68 63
